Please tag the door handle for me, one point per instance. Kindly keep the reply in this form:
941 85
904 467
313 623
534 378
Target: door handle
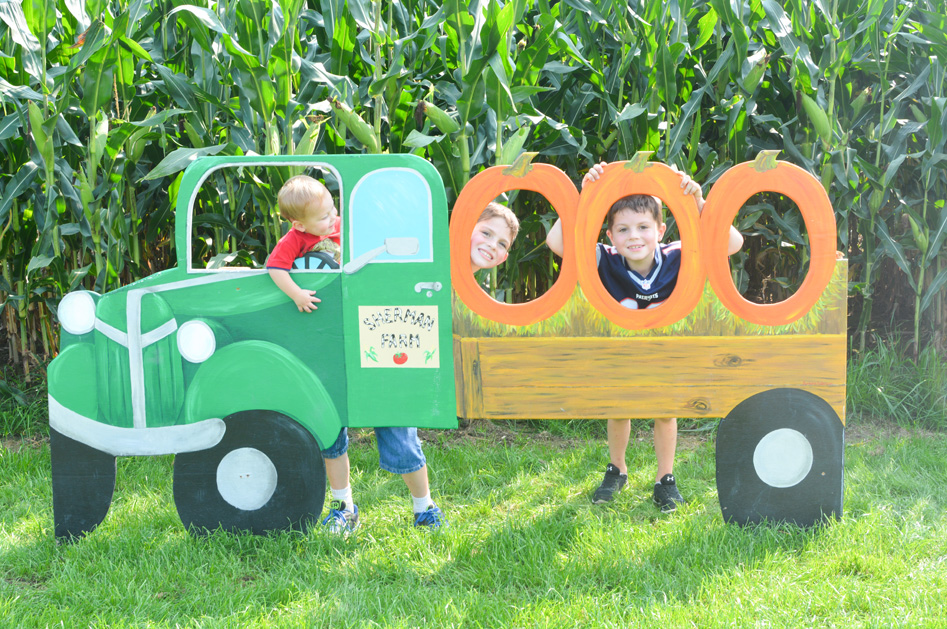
430 287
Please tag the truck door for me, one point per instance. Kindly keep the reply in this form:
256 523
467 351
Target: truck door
396 298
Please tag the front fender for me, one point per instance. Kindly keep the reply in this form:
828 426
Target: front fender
256 375
72 380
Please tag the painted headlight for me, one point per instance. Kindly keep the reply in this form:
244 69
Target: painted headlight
77 312
196 341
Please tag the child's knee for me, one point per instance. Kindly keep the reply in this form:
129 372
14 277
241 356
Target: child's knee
665 423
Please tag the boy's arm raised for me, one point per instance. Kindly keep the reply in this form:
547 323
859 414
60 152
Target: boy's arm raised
305 300
735 242
554 238
594 174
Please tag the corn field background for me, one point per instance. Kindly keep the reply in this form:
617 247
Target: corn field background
103 104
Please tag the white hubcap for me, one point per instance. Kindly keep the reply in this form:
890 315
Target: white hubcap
783 458
246 478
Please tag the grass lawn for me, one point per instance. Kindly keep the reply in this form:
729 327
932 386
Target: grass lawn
525 548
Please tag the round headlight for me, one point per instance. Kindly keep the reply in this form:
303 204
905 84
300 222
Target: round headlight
196 341
77 312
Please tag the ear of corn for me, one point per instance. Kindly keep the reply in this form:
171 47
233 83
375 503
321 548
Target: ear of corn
919 236
440 118
362 131
818 118
759 61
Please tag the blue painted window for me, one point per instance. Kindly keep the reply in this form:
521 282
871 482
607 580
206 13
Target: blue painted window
390 203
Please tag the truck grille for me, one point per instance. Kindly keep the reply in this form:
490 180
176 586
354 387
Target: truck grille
164 382
114 381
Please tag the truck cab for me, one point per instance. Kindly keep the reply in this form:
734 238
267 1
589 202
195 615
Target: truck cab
214 364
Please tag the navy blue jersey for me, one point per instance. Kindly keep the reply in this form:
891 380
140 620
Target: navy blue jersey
632 290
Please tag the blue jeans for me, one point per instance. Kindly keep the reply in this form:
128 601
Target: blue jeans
399 449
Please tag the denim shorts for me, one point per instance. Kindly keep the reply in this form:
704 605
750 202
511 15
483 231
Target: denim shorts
399 449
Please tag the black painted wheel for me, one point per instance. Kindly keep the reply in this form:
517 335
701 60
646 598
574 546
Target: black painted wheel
780 458
83 484
266 474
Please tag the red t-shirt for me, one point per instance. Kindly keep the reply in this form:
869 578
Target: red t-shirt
295 243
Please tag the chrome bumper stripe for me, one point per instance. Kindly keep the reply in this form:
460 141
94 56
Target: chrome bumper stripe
135 441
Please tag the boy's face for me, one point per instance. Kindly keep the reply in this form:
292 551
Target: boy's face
636 236
319 217
490 243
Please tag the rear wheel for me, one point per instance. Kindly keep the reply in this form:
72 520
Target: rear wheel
266 474
780 458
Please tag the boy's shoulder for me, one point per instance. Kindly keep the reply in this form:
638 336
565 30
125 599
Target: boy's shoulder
670 248
291 246
295 238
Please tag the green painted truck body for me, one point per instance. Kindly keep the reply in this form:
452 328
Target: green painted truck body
136 376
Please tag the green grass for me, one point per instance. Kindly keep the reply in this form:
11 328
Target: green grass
888 383
23 405
525 548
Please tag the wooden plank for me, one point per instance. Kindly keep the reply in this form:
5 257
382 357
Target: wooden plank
459 377
656 362
533 378
472 388
668 399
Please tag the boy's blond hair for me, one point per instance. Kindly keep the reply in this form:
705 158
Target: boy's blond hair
296 194
495 210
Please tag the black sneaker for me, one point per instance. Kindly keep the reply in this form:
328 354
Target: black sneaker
666 495
612 483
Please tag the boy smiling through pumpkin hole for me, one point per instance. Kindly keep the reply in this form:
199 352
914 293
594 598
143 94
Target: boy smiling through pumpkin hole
639 272
492 237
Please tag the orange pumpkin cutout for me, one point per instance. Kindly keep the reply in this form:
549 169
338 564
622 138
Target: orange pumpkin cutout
561 193
726 198
617 181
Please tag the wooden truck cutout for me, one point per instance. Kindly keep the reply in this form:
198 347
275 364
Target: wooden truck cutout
217 367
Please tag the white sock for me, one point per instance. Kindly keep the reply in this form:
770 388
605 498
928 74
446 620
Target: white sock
345 495
421 504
